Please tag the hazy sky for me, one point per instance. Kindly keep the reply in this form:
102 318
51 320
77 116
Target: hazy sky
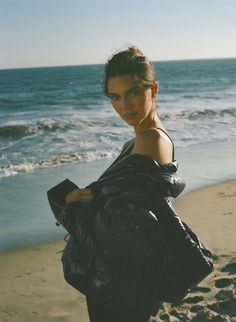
74 32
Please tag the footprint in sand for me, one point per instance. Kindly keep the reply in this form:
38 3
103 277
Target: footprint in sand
208 315
190 300
223 194
197 308
227 213
230 267
224 307
226 294
200 289
224 282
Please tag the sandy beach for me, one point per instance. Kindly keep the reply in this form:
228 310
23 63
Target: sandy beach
33 287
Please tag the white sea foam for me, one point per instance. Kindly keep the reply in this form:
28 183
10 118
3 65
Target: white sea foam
13 169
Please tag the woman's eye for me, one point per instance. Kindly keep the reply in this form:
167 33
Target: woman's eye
113 98
134 92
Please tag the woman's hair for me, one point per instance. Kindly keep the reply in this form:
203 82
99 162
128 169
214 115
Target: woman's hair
129 62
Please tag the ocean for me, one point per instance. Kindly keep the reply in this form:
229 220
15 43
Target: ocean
49 116
56 122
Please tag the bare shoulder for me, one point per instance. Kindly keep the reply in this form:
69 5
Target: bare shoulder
154 143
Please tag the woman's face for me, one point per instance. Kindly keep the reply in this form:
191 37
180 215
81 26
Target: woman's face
130 98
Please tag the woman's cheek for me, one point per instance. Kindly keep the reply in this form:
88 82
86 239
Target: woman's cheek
116 108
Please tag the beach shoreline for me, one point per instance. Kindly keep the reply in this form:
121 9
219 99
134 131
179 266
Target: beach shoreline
33 287
27 219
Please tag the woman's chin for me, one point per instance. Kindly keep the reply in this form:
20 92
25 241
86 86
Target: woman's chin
131 122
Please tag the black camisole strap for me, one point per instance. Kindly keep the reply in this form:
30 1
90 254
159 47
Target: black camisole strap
125 152
130 146
173 151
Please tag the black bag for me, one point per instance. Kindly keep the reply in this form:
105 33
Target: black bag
119 261
56 197
79 251
75 261
186 261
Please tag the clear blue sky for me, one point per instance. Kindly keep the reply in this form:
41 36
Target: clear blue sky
74 32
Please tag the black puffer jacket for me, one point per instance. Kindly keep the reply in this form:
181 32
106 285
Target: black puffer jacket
136 179
120 240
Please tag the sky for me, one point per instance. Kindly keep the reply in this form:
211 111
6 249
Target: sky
36 33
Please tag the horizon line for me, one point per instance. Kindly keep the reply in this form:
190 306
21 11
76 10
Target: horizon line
93 64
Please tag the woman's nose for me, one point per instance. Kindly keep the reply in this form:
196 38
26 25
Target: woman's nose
125 102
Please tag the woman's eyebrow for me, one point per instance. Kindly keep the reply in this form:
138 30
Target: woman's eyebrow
132 88
129 90
111 94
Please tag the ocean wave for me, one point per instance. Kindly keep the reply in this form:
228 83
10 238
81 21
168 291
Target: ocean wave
13 169
19 130
16 131
200 114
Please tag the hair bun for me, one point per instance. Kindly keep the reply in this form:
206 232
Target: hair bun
129 62
140 59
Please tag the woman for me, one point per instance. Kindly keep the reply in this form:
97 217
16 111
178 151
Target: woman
131 84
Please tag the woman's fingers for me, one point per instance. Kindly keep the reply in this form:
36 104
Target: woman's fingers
85 191
83 195
72 195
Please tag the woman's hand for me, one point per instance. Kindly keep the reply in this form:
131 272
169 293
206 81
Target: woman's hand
82 195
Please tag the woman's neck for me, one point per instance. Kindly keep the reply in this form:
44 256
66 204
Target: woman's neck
150 122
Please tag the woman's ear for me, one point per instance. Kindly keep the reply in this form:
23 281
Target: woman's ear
155 89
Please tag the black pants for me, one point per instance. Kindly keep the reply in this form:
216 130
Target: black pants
106 312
